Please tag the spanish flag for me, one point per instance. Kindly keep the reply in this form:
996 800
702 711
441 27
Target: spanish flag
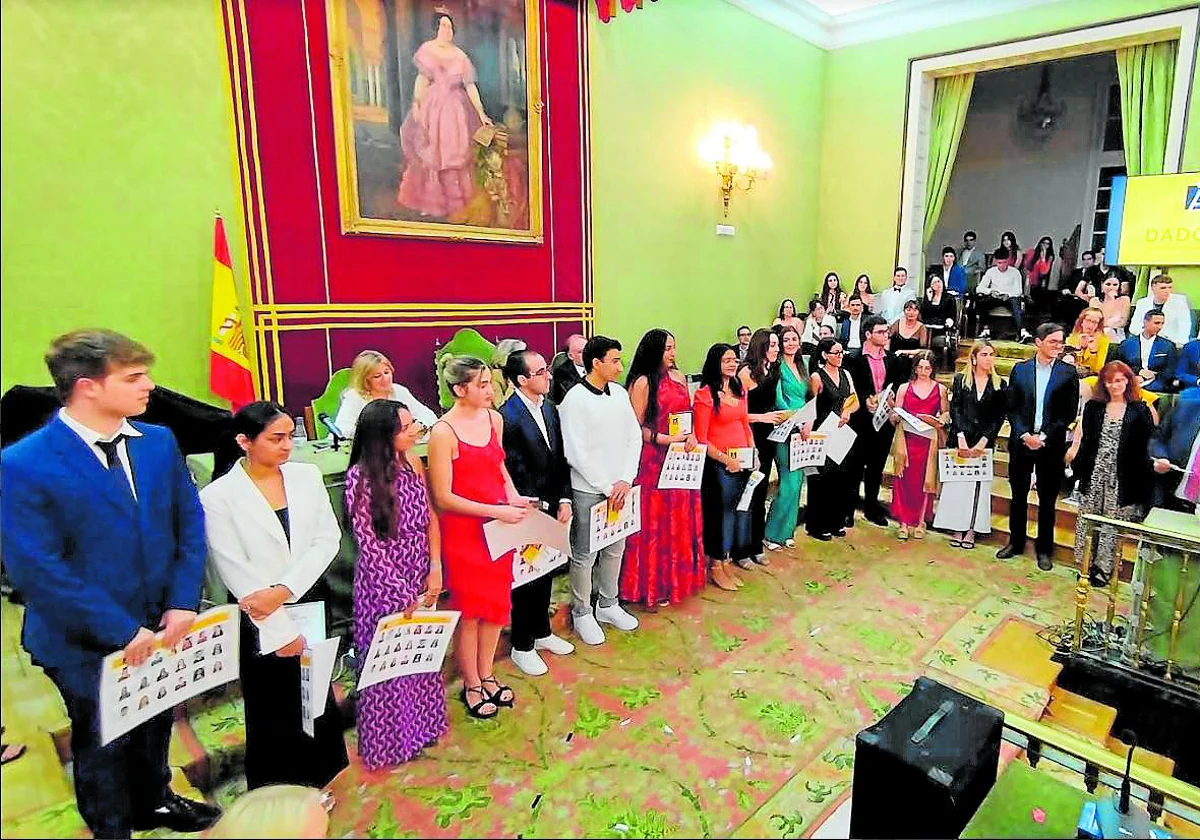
229 374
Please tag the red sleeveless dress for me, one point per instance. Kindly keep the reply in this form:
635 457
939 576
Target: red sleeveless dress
479 587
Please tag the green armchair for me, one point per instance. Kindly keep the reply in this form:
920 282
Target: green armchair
466 342
328 402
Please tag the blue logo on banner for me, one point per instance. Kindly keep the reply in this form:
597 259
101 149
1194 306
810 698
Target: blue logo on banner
1193 199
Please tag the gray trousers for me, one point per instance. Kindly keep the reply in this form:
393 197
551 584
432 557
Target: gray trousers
601 569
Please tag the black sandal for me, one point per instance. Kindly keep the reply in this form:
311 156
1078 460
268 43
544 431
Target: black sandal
497 697
473 711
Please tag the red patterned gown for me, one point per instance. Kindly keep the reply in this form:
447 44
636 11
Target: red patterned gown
664 562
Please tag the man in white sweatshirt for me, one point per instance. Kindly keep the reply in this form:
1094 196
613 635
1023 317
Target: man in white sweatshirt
1175 308
1004 283
603 444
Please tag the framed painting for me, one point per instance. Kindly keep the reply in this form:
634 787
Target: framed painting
438 117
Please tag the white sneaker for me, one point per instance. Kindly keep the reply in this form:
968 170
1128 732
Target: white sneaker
617 617
554 644
588 630
529 662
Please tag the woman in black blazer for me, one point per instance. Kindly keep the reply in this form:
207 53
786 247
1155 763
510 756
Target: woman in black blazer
1111 457
978 403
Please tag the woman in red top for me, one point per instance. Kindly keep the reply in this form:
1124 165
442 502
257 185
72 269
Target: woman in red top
723 424
664 562
1039 262
470 487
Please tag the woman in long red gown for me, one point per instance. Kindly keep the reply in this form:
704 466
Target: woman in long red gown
664 562
471 487
915 456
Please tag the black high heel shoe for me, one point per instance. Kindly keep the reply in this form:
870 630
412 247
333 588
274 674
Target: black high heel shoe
497 697
473 711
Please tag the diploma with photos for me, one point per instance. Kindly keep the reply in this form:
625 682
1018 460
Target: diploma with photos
808 453
606 525
204 659
795 419
537 528
952 468
403 646
316 672
881 411
533 561
681 469
756 478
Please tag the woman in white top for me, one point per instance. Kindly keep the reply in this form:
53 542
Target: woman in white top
818 317
271 535
371 378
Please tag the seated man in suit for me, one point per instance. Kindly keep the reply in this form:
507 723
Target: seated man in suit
742 348
570 371
1176 453
1043 398
103 535
954 278
533 453
1187 368
1149 354
850 331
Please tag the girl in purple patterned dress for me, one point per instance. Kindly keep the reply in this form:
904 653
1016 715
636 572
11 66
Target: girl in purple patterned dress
399 569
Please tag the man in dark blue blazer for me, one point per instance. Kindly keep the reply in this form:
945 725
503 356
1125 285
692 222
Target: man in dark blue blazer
1043 400
533 453
103 536
1151 356
1187 368
1174 446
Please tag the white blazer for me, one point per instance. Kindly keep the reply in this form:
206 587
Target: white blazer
249 550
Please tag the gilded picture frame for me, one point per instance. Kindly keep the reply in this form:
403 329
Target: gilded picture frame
437 112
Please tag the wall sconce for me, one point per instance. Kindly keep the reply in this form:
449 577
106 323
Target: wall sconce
732 148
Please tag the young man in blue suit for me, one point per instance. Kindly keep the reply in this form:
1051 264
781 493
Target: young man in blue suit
1174 449
1044 396
1151 356
103 536
533 453
1187 368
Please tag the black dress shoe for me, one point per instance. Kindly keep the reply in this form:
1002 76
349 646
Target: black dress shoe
178 814
840 532
876 518
822 537
1045 562
850 521
1009 550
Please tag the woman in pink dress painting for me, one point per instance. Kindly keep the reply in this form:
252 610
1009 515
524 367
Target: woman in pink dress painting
436 135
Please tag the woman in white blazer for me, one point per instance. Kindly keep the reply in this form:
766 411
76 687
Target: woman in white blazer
271 535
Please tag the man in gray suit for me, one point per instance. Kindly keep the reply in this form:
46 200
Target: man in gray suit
972 261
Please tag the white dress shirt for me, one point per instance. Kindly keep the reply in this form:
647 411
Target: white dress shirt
1147 346
91 436
250 551
535 409
854 337
1006 284
1178 326
1041 382
353 403
890 304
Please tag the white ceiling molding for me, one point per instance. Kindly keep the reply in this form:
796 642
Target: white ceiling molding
804 19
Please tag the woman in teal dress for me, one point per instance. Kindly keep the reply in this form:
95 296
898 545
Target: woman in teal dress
791 395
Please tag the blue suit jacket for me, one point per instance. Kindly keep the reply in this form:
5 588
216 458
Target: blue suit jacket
1162 356
1062 400
536 469
1187 369
1178 430
92 563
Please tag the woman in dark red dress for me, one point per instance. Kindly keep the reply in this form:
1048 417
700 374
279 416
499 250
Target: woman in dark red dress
471 486
664 562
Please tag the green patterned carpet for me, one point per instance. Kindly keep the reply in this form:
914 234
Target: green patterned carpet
732 715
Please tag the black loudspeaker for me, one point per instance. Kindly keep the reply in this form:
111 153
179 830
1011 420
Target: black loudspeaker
924 768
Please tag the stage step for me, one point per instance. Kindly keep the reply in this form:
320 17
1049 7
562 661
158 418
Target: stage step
1144 757
1080 715
1017 650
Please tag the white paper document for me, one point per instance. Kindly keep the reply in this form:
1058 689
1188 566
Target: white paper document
316 672
405 646
533 561
309 619
781 432
952 468
535 529
881 411
838 439
746 456
682 470
914 424
204 659
756 478
606 526
807 453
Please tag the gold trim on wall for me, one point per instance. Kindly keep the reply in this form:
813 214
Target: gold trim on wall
347 164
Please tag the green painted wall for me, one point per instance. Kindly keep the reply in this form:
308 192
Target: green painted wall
863 129
116 151
660 77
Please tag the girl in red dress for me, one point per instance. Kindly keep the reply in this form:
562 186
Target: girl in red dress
471 486
664 562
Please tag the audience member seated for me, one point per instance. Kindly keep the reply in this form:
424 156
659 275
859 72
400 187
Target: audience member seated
972 261
1115 306
1003 284
909 337
1176 454
939 314
743 343
1089 341
1177 327
1039 266
890 305
371 379
862 288
1187 368
832 297
1149 354
502 388
810 332
1087 272
569 371
954 279
1008 241
789 316
850 333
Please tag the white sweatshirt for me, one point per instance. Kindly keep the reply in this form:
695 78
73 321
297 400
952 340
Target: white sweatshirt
601 437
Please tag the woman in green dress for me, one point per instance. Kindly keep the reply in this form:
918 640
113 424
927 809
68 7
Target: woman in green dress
791 395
